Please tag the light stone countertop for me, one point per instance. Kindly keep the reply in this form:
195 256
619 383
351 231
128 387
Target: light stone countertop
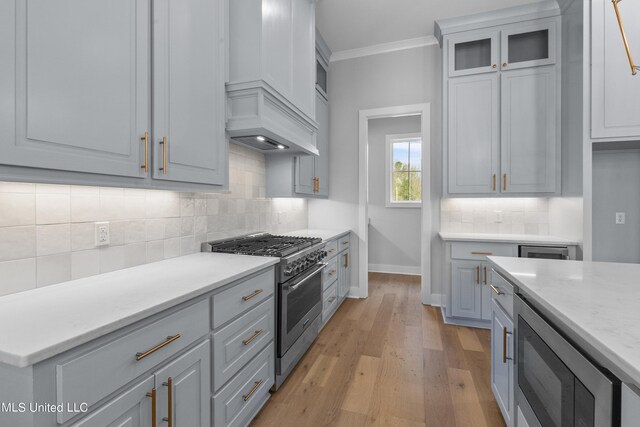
599 302
324 234
506 238
40 323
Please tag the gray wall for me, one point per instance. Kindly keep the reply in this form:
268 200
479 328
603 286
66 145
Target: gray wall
394 233
616 175
404 77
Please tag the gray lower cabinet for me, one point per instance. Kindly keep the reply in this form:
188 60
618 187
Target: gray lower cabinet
344 274
470 292
630 405
502 372
336 278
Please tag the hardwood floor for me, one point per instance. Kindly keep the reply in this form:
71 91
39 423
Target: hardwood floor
389 361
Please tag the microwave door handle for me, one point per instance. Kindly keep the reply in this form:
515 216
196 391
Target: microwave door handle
303 281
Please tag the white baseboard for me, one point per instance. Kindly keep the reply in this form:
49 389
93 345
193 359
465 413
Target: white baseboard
395 269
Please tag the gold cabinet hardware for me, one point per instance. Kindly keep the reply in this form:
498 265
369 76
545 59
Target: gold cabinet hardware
332 272
481 253
332 250
164 155
504 185
485 274
634 67
251 295
253 337
504 345
496 290
330 300
494 66
346 242
169 418
504 64
494 182
154 400
145 140
170 339
253 390
346 260
478 274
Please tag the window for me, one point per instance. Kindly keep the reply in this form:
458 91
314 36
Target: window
404 170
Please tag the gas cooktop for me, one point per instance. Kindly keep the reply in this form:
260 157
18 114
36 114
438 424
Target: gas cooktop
263 244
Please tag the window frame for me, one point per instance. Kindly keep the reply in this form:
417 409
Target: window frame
390 139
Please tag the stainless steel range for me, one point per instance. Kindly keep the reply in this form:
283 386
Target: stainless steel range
299 289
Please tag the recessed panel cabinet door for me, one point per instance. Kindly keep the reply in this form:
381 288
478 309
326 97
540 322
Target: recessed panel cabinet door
473 134
322 161
189 111
466 290
74 90
502 381
529 113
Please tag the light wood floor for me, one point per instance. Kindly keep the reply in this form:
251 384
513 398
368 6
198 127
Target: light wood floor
389 361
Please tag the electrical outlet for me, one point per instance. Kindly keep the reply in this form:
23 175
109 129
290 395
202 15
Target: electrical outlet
102 234
499 216
620 217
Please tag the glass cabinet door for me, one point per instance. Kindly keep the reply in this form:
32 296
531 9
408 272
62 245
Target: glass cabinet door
529 46
473 53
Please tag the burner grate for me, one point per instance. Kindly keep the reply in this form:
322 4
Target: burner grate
265 245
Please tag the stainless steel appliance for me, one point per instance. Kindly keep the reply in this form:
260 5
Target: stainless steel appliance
299 290
558 386
544 252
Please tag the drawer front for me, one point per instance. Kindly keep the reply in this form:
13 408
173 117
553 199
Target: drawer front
243 396
330 273
242 297
478 251
502 292
332 248
344 242
94 375
236 344
329 301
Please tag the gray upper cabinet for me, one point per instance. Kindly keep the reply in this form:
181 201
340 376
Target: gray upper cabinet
189 101
615 92
473 52
312 172
529 130
528 45
75 89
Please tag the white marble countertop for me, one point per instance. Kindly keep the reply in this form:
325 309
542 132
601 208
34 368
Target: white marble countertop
322 233
38 324
597 301
506 238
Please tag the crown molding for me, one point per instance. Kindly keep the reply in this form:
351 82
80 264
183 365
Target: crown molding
383 48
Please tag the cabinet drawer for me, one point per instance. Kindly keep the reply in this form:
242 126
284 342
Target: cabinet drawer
480 251
329 301
243 396
237 343
332 248
92 376
503 292
330 273
344 242
242 297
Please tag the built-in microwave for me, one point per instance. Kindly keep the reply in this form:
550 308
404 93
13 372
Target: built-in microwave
557 385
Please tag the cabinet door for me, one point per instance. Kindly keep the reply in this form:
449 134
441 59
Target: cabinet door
529 130
344 273
189 96
184 388
466 289
305 175
473 53
322 160
74 84
485 270
615 92
473 134
630 406
529 45
303 60
132 408
502 363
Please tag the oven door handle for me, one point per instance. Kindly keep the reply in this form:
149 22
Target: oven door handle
321 267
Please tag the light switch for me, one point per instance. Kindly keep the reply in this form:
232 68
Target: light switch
620 217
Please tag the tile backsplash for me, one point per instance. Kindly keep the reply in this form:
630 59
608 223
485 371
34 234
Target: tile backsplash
47 231
518 216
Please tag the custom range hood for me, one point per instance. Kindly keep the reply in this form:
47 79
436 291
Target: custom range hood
271 84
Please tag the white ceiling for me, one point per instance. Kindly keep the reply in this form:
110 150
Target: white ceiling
353 24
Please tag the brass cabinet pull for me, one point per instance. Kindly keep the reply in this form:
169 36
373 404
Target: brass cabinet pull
504 345
332 250
145 140
332 272
494 66
504 64
154 401
346 242
330 300
253 337
164 155
485 274
634 67
170 339
346 260
481 253
505 182
253 390
494 182
496 290
251 295
169 385
478 275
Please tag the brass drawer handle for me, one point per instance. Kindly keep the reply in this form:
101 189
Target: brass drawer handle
481 253
154 401
145 139
346 242
140 356
164 155
169 418
332 272
255 293
494 182
478 275
253 337
332 250
496 290
253 390
504 178
330 300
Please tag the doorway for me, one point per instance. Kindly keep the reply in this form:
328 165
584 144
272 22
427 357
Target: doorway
389 191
